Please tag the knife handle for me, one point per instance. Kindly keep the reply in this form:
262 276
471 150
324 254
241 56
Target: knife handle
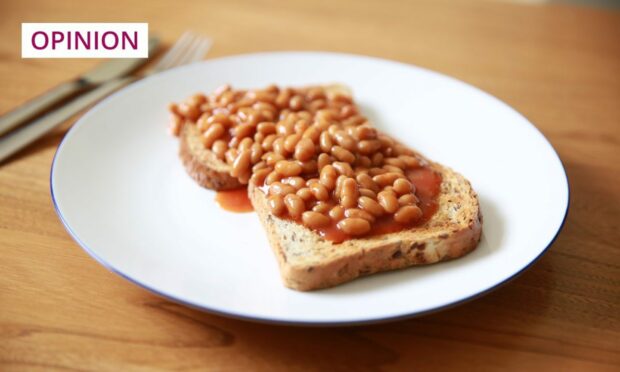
22 137
40 104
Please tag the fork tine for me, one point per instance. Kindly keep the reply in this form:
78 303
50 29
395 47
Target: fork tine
189 48
174 52
201 51
194 52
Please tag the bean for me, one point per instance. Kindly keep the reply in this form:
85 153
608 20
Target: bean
354 226
295 205
219 118
175 126
259 176
339 181
267 143
272 158
366 181
256 152
288 168
397 162
336 213
304 150
266 128
296 182
365 132
328 177
315 93
410 161
278 146
386 178
348 201
377 159
214 132
358 213
231 155
364 161
272 177
276 205
318 105
407 199
325 141
259 138
408 214
190 112
393 169
285 128
279 188
369 193
308 167
244 130
347 111
376 171
291 141
323 160
322 207
283 98
312 133
319 191
402 186
219 149
245 144
343 168
368 147
388 201
260 165
305 193
343 154
314 220
345 141
371 206
296 103
402 150
301 126
241 164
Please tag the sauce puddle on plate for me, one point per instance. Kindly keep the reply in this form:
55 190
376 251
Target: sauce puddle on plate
234 200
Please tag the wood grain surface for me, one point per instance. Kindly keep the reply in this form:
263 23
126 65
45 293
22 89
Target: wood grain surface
558 65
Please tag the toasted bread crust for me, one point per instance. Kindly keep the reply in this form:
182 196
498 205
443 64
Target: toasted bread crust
201 164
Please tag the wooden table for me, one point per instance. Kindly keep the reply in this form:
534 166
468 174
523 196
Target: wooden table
559 66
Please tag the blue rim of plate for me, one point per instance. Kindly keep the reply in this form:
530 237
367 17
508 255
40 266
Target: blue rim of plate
271 321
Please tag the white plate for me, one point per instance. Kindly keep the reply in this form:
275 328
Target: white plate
120 190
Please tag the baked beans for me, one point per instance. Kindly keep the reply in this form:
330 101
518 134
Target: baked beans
318 159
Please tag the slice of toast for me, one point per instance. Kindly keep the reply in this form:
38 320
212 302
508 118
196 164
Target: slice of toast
307 261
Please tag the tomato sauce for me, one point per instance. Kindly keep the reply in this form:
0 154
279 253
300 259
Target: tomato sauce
234 200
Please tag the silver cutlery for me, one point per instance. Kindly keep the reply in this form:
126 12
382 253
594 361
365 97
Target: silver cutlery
109 70
188 48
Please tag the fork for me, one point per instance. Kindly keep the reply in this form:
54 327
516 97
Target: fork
190 47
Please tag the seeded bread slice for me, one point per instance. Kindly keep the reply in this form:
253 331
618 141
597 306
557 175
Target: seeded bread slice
307 261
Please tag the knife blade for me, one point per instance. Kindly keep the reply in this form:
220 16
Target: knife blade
25 135
106 71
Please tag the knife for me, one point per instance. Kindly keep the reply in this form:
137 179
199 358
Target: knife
25 135
106 71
